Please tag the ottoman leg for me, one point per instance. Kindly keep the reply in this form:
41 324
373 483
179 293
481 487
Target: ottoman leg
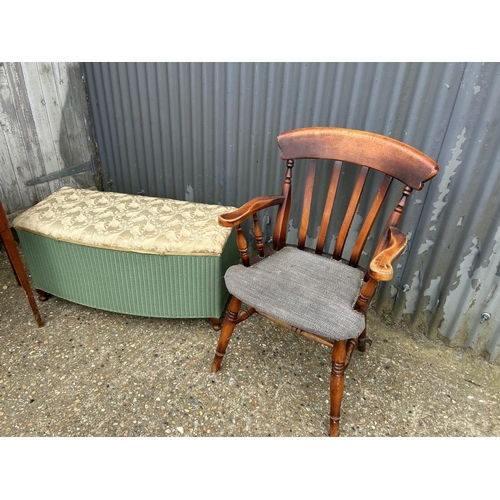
215 323
43 296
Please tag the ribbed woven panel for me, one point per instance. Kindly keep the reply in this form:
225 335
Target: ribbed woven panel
305 290
130 283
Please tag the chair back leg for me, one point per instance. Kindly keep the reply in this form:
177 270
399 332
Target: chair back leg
337 384
362 341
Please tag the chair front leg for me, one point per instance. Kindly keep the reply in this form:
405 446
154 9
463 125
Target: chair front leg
227 330
337 384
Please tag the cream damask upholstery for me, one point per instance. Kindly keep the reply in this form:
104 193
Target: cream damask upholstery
126 222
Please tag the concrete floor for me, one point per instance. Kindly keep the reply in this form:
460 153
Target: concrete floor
89 372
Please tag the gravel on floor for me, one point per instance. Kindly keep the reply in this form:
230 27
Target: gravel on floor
89 372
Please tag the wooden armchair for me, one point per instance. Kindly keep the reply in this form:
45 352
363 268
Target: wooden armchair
322 296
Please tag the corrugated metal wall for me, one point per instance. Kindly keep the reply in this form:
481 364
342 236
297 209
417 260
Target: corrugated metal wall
206 132
44 120
453 267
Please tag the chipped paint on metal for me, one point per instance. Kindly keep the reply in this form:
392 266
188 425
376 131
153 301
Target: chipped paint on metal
425 247
449 172
433 293
292 234
189 194
475 289
411 296
460 293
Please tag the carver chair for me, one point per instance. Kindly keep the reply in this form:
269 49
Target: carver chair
323 296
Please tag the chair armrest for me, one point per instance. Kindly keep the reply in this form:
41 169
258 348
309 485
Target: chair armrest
251 207
381 265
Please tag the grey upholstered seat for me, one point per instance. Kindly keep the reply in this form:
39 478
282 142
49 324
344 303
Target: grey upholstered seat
309 291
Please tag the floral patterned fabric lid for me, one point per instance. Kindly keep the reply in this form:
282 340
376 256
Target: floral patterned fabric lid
127 222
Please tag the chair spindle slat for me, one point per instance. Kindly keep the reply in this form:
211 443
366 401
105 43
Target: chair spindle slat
258 235
280 227
351 210
327 212
306 207
370 219
241 242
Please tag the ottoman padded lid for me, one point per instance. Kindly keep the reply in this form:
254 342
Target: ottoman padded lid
127 222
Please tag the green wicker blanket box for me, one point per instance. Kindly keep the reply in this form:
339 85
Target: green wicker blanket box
129 254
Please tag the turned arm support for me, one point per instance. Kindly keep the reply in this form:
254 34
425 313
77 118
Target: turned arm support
249 209
381 266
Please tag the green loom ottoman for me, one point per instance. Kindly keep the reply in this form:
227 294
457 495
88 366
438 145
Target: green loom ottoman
129 254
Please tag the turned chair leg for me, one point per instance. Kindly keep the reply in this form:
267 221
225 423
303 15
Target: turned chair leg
227 330
337 384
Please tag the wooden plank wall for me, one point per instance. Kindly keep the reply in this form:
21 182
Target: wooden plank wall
44 123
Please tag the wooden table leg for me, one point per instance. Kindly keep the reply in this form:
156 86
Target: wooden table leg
16 263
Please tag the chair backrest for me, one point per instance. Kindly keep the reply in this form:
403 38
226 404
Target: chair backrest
392 158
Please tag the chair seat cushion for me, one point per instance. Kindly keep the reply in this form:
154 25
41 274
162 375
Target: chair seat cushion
305 290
